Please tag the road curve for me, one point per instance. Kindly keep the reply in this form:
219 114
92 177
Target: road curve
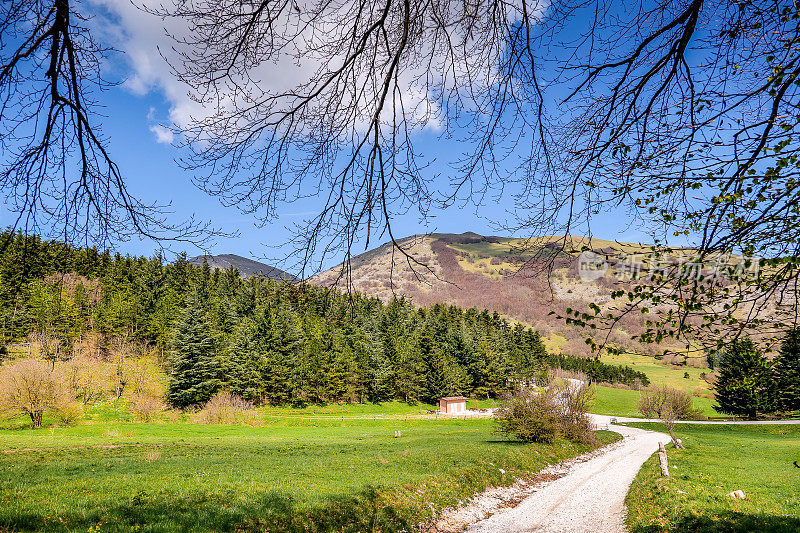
590 497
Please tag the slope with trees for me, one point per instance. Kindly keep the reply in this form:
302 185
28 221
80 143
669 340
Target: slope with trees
269 341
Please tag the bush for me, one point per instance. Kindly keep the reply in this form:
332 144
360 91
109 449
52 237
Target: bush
145 378
529 416
226 408
573 423
29 386
542 415
660 402
668 405
87 380
68 412
146 407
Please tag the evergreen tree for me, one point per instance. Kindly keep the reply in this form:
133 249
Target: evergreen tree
787 371
246 365
196 369
745 385
278 339
410 376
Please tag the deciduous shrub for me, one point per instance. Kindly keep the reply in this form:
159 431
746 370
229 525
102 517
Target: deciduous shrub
29 386
529 415
146 406
226 408
668 405
68 411
658 401
544 414
88 380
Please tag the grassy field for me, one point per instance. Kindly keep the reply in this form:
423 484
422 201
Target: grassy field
120 411
624 402
716 461
291 475
364 410
662 374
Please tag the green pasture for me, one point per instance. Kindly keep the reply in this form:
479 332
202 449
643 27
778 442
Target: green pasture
293 474
625 402
719 459
663 374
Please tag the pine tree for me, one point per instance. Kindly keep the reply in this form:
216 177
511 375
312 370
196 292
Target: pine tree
745 385
434 366
278 340
787 371
196 369
246 365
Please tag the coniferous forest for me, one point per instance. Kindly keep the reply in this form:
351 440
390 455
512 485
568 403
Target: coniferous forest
265 341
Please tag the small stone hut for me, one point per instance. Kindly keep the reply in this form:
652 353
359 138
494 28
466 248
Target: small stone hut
453 405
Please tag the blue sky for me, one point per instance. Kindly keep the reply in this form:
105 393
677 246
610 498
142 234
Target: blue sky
153 174
148 98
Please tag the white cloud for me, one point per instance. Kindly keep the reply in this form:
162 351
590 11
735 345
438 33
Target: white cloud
163 135
144 38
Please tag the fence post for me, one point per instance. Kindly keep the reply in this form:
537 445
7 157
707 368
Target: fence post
662 459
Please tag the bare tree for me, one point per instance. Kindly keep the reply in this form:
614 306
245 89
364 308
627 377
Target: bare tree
668 405
57 175
31 387
682 113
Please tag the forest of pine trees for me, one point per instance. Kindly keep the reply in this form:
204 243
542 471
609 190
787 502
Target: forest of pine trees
266 341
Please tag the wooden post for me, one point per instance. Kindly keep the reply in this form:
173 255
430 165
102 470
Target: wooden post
662 459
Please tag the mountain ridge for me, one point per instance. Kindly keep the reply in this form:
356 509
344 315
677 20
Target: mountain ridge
246 267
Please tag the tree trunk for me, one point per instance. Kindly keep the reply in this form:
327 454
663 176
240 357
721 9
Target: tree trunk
36 419
670 425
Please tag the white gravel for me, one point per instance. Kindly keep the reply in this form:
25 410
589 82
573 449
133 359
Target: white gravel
589 498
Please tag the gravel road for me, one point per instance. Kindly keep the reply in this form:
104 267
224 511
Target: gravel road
590 498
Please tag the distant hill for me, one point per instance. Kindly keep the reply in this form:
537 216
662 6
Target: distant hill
246 267
500 274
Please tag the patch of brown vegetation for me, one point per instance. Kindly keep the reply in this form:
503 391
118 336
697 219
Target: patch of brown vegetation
522 289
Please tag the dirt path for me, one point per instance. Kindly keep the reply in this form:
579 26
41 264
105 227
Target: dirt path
590 497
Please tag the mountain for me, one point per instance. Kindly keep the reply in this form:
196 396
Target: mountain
502 274
246 267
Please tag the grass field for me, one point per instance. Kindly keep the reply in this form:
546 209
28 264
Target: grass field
355 410
119 411
717 460
291 475
624 402
662 374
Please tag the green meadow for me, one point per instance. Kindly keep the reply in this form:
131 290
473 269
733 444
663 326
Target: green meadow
624 402
674 376
292 474
719 459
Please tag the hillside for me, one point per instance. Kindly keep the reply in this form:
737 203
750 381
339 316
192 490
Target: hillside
246 267
502 274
